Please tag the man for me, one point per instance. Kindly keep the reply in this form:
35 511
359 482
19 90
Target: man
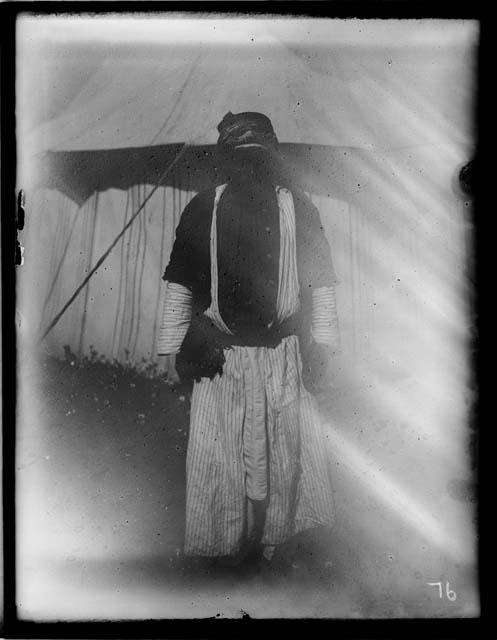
249 291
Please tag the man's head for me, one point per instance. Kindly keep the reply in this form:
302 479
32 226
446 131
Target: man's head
247 145
246 130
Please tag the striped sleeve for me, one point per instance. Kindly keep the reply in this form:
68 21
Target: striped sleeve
176 317
324 327
316 267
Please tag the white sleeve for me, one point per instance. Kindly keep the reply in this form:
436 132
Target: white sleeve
324 323
176 318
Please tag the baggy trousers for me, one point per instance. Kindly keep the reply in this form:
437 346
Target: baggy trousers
255 434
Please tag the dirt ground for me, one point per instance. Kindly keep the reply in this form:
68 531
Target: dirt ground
102 513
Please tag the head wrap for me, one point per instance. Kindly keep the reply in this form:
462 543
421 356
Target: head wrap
246 129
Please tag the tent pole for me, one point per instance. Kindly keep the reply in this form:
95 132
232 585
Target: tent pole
112 245
59 266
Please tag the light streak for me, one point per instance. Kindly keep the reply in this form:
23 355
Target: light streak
396 498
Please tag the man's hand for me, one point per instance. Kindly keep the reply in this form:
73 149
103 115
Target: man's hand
166 370
320 367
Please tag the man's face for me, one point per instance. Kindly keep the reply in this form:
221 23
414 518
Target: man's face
252 161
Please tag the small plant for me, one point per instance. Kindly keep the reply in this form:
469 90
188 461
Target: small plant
145 368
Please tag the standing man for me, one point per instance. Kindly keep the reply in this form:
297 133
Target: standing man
250 312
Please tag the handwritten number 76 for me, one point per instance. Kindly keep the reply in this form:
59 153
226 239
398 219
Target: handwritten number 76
451 595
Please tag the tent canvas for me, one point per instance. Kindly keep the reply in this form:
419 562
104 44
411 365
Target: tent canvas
347 116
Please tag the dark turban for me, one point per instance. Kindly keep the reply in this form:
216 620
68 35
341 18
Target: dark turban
246 129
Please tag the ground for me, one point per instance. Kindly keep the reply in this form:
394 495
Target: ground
103 519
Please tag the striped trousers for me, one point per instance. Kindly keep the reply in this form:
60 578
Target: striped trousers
255 433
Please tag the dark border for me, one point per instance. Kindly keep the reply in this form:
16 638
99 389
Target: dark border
382 9
12 628
247 627
9 356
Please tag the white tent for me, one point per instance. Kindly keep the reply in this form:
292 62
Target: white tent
375 120
379 121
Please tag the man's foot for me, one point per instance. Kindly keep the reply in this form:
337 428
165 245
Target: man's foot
249 562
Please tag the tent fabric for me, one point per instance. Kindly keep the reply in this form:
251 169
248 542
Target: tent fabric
383 129
411 235
320 169
341 97
137 106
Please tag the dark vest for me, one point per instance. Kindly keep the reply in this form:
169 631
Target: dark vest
248 262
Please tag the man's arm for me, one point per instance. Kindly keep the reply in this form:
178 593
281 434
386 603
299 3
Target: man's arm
324 319
317 274
176 318
319 278
179 278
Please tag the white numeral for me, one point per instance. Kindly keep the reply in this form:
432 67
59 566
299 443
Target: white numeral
451 595
436 584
